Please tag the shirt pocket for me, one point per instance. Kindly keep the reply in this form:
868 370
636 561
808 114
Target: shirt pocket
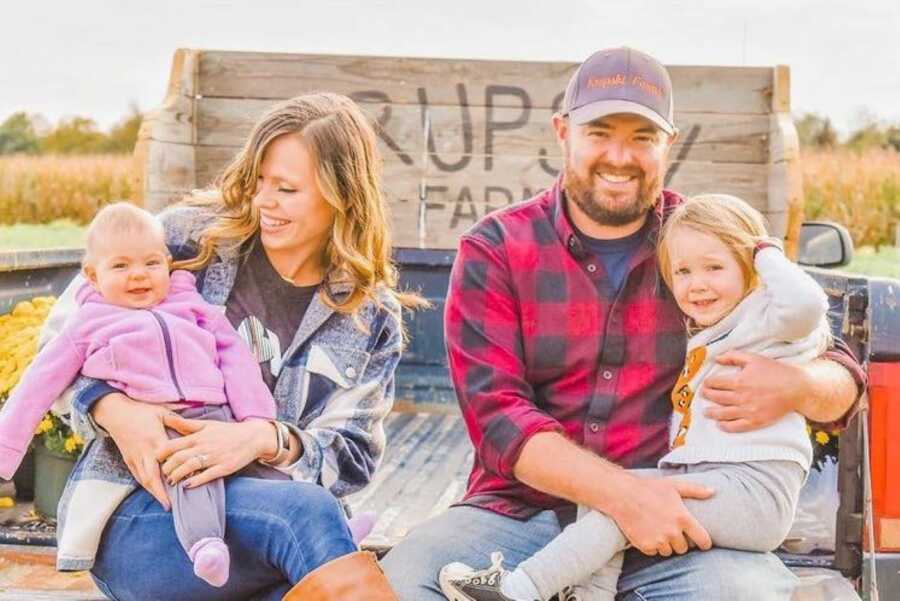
343 366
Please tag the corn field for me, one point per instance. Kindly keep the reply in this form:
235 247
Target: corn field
40 189
860 190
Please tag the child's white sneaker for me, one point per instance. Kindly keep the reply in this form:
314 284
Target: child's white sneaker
460 582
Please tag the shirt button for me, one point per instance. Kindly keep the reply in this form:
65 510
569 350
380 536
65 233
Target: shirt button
592 268
595 427
350 372
607 375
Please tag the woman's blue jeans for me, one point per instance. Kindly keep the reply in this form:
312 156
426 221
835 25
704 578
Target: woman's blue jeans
277 532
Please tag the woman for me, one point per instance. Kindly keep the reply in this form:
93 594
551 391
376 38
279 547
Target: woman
294 242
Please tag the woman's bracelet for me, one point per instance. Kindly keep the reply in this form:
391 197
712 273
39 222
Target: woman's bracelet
282 444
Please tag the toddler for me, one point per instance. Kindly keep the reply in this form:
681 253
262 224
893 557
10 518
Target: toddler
149 333
737 291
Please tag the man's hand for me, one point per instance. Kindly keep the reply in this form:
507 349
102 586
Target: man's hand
760 394
652 515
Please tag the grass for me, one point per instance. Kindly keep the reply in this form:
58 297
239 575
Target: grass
884 263
62 233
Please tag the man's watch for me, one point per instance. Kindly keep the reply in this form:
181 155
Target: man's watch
282 444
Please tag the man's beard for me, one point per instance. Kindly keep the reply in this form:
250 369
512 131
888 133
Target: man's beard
581 192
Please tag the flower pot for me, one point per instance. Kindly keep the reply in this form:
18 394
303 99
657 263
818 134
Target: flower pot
51 470
24 478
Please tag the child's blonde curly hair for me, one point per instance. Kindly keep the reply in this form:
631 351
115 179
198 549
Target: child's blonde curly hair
738 225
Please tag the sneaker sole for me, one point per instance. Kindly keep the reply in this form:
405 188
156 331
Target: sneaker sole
449 591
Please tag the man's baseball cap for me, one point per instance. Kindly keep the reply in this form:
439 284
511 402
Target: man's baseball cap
620 80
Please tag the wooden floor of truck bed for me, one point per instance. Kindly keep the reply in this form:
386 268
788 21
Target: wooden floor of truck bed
425 467
424 470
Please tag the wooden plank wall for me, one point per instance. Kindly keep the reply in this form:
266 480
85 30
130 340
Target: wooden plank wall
463 137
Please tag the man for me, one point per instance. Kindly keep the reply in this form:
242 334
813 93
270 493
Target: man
564 345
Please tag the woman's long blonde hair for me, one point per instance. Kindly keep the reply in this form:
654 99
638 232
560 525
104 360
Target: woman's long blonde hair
738 225
348 170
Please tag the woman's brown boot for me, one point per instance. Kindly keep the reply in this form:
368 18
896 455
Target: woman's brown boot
354 577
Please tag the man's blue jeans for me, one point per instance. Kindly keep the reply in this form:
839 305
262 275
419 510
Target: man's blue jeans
277 532
469 535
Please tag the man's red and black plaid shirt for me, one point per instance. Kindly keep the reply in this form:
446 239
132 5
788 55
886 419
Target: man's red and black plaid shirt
538 340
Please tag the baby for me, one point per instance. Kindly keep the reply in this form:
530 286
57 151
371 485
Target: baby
738 292
149 333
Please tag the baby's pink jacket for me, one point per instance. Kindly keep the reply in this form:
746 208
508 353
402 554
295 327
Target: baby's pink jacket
183 349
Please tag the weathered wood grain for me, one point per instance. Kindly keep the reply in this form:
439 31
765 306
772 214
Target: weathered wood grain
486 82
454 201
453 204
781 89
263 75
164 149
518 177
489 141
785 182
424 470
171 166
516 131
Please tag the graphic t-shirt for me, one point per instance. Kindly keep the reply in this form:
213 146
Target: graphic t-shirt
266 309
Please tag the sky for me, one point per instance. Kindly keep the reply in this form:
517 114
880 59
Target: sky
96 58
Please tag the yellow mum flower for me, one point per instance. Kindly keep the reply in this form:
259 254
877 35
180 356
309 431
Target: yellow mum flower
822 437
73 443
45 426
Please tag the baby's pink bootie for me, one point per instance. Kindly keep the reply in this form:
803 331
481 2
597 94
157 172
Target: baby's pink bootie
211 560
361 525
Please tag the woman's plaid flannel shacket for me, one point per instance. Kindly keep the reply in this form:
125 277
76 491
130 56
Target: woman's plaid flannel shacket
335 388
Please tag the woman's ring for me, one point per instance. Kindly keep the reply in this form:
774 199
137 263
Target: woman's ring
202 459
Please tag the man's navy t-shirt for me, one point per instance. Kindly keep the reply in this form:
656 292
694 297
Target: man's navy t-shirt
615 254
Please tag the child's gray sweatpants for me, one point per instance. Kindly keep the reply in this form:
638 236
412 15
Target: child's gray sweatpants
199 512
752 510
